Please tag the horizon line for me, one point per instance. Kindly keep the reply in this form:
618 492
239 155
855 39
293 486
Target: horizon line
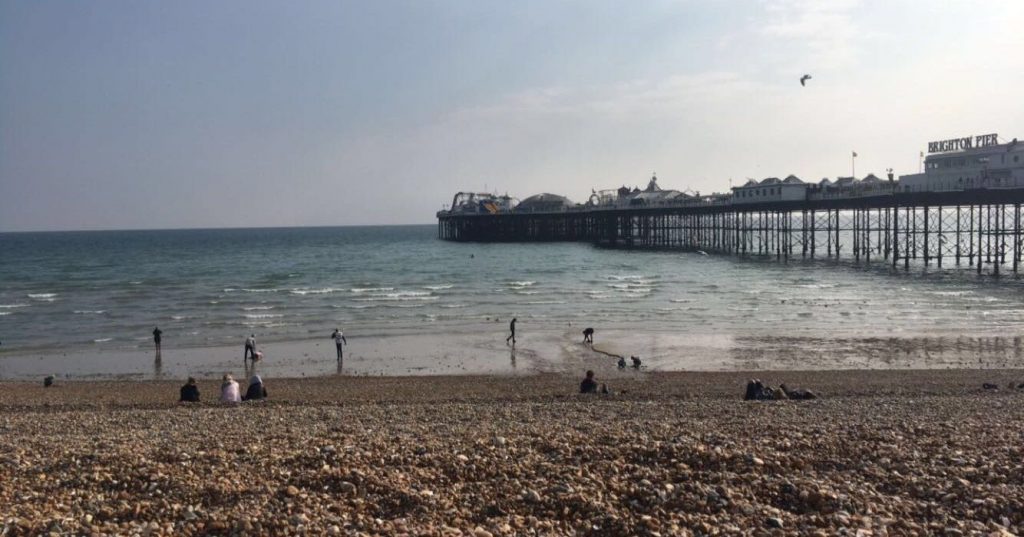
97 230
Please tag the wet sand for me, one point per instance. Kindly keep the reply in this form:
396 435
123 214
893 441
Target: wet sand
538 351
903 452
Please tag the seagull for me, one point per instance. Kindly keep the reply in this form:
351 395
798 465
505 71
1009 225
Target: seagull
804 79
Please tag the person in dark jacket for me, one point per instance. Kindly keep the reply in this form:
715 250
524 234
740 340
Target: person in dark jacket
589 385
256 390
189 392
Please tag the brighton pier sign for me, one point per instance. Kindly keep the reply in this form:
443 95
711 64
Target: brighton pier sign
960 144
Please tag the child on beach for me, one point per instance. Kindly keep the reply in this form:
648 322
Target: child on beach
588 385
189 392
229 390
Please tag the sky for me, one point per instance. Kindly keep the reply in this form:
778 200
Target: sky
128 114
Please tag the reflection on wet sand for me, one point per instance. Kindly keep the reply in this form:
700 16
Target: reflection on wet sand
789 352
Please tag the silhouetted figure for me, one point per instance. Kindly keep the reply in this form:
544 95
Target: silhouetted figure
189 392
636 362
256 390
588 335
156 337
588 385
250 348
339 340
804 79
48 381
512 329
622 362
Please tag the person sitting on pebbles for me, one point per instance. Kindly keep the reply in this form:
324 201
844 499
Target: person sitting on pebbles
589 385
229 390
189 392
256 389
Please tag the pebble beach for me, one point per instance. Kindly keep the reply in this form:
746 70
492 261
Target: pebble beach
905 452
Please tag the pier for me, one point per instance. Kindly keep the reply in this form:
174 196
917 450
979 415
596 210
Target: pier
979 228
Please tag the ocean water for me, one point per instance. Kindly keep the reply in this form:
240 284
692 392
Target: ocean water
107 290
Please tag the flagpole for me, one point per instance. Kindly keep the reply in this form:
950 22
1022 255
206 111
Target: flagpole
853 165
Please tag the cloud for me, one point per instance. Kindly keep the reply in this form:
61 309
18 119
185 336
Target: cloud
825 30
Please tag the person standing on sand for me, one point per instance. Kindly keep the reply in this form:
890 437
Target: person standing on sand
512 336
250 348
588 335
156 337
339 339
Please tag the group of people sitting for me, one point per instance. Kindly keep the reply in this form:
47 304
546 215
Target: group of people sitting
759 391
229 390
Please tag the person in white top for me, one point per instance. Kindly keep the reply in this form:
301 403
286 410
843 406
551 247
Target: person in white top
229 390
339 340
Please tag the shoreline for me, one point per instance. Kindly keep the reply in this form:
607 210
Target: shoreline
539 351
545 387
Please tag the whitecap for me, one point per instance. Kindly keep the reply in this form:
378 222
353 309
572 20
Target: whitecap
454 305
371 289
102 340
520 284
307 291
90 312
8 306
439 287
179 317
43 296
544 302
263 315
253 308
395 298
2 313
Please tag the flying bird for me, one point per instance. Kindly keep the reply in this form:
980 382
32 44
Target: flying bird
804 79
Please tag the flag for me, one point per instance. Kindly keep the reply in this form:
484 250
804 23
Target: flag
854 153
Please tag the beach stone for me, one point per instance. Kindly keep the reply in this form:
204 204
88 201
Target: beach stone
291 490
774 522
347 487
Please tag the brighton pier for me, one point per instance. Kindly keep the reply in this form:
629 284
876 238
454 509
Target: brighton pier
963 209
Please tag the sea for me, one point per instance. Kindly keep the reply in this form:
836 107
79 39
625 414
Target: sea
107 290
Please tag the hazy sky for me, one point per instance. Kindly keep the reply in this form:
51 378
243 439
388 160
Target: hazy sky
146 114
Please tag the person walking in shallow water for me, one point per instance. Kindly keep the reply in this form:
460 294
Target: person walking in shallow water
156 337
512 336
339 340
